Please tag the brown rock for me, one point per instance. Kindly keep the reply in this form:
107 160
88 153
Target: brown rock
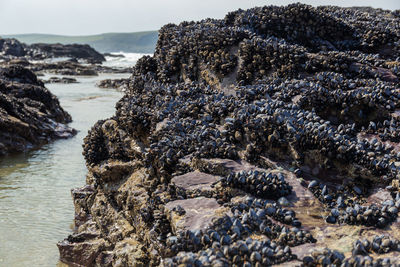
80 253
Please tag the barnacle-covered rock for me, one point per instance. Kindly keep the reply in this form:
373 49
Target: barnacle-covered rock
251 140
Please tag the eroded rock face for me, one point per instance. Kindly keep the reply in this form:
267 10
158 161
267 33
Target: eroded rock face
251 140
29 114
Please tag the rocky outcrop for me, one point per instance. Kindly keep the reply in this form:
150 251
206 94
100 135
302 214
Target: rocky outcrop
12 48
78 51
29 114
73 60
68 67
268 137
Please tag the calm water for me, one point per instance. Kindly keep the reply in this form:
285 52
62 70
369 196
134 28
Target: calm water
36 209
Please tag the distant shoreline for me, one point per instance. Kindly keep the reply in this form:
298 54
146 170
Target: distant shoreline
135 42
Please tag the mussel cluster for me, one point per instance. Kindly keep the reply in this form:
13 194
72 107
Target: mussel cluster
345 206
327 257
379 244
360 254
242 253
229 240
260 184
297 90
287 41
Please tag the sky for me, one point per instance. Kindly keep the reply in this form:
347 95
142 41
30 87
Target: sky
86 17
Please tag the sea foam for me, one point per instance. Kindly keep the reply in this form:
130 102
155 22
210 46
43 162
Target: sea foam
129 59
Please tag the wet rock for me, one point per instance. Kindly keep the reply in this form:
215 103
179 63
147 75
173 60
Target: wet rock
113 55
30 115
61 80
115 83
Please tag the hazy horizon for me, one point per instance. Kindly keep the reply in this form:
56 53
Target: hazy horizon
75 35
92 17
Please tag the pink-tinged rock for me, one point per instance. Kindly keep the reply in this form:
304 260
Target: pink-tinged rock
199 213
195 181
379 196
75 253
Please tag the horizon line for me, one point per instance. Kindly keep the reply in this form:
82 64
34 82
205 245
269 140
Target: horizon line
68 35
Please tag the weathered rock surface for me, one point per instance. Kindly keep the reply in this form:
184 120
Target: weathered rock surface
29 114
193 214
252 141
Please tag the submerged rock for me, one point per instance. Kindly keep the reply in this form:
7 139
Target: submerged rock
252 141
29 114
61 80
113 55
120 84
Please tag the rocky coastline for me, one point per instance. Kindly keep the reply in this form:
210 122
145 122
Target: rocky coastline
268 137
12 48
71 60
30 115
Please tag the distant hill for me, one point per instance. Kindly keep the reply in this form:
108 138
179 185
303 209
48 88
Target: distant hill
139 42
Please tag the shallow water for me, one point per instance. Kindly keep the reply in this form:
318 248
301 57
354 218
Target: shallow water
36 209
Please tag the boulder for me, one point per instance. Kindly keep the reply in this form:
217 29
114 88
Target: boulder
30 115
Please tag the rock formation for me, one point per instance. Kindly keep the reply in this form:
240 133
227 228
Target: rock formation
12 48
29 114
60 80
121 84
270 136
78 51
